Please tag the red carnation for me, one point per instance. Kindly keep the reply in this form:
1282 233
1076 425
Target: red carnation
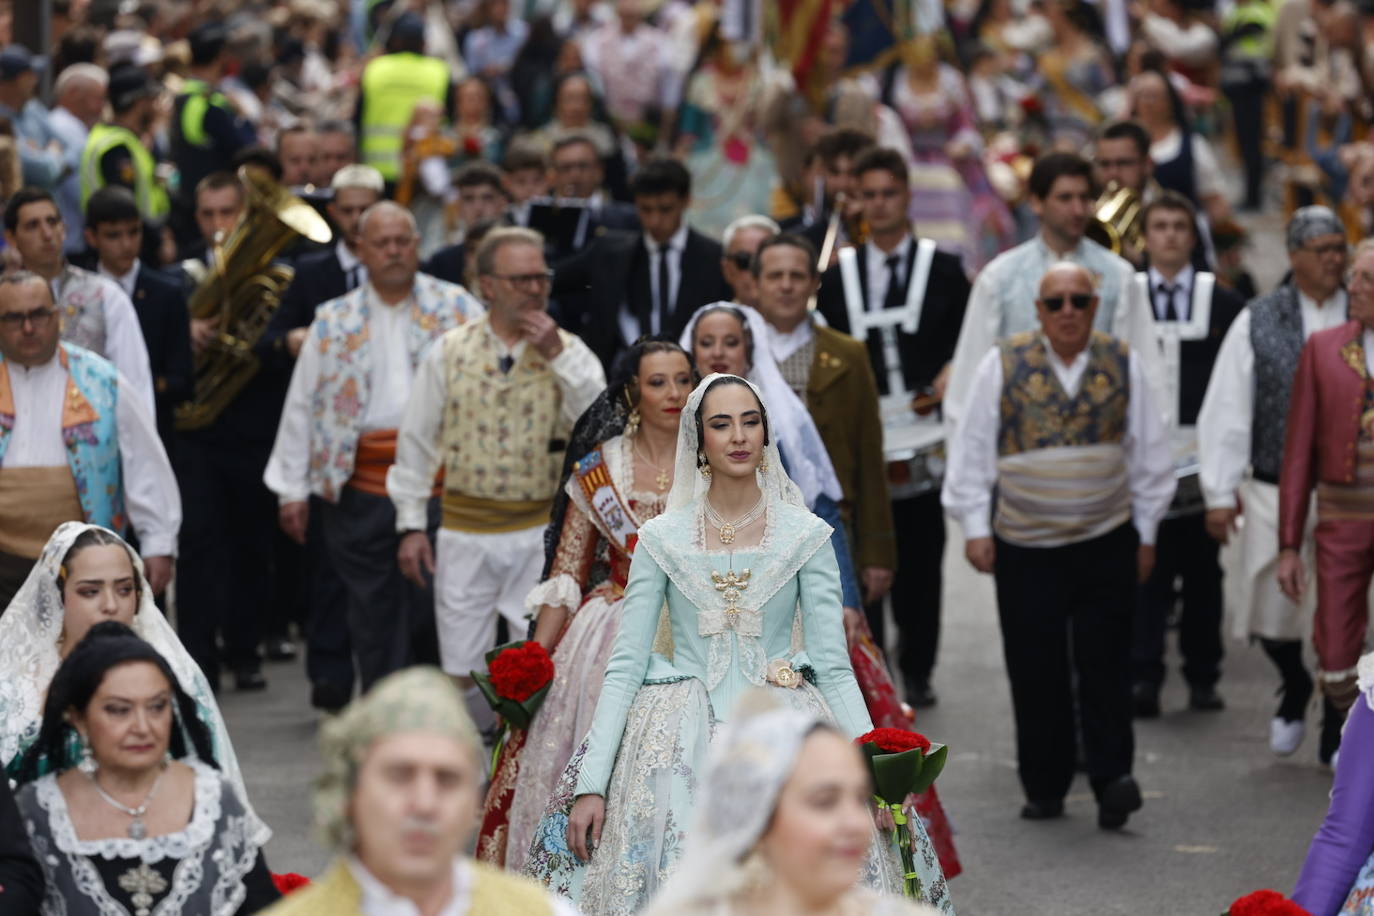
895 740
1265 903
288 882
519 672
472 145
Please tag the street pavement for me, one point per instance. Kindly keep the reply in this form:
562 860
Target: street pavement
1222 815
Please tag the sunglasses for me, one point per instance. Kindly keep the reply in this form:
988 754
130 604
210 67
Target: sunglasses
741 259
1080 301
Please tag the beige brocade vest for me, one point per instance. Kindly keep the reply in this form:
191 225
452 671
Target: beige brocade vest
504 436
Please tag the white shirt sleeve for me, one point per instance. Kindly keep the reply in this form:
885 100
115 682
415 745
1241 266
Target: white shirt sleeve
124 344
1206 169
151 496
1149 456
410 481
1197 44
288 468
1223 423
580 378
977 335
971 472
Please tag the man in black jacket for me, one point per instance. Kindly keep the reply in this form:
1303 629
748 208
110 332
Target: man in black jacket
625 285
896 271
21 878
481 199
1192 314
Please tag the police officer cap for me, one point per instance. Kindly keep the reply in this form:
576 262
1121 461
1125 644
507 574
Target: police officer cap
17 59
207 41
408 26
128 84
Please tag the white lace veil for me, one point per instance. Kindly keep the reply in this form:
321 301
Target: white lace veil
788 419
688 484
745 772
29 656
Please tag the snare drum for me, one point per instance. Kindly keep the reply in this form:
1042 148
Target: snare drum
1188 499
914 447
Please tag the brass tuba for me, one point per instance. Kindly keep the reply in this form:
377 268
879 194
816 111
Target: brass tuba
1117 219
243 289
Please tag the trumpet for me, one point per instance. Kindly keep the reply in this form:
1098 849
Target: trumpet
1117 222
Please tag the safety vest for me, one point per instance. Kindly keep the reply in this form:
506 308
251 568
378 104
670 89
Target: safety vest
391 86
152 199
198 99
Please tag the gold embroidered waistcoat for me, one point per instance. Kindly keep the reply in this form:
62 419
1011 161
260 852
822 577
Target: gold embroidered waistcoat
336 893
1037 413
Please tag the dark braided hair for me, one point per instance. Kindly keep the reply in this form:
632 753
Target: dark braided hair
107 645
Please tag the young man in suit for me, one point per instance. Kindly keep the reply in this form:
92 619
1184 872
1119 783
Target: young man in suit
482 199
114 231
646 283
577 171
894 270
831 373
1192 314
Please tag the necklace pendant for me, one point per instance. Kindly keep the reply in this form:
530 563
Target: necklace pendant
137 829
662 480
727 534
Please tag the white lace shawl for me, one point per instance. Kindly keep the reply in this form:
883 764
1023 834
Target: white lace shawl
29 657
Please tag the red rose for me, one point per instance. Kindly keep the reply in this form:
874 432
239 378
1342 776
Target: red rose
519 672
1265 903
472 146
289 882
895 740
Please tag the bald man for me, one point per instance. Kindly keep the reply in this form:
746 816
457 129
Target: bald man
1063 429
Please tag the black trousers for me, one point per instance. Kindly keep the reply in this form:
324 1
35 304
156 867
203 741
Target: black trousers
1247 110
224 569
383 610
328 649
1183 550
13 571
916 587
1066 617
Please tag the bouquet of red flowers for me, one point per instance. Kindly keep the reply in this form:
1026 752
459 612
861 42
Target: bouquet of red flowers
288 882
1265 903
516 680
903 763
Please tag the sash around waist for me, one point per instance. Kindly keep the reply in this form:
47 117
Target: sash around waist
477 515
1350 502
1052 497
33 502
375 454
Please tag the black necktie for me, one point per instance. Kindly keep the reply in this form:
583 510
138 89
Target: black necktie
1168 290
352 280
665 304
895 297
505 362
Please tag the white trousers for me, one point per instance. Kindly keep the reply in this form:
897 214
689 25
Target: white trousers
476 577
1253 597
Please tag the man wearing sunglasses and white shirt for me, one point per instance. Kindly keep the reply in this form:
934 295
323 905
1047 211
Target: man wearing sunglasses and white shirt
1063 429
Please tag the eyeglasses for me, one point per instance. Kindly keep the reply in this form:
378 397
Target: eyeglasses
741 259
1322 251
1080 301
527 281
38 318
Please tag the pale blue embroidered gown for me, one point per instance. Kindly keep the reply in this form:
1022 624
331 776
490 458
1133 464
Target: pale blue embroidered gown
669 685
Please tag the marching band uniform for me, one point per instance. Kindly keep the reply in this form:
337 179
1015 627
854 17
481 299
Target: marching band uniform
1075 453
497 419
337 440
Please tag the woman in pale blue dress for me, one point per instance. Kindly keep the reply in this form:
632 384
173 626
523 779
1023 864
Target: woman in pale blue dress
730 589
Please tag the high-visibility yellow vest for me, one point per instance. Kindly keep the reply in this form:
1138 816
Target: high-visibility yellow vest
152 199
391 86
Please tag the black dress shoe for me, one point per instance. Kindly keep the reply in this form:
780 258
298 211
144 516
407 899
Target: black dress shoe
328 697
1117 800
1042 810
279 650
250 679
919 695
1205 699
1145 700
1332 722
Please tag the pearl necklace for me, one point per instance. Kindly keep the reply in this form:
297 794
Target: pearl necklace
137 829
728 530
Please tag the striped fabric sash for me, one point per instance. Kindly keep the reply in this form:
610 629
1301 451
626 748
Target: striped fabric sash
1057 496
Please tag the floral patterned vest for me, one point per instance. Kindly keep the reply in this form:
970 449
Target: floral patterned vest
89 430
1036 411
340 333
504 436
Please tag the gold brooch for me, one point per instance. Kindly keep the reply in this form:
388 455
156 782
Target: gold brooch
781 672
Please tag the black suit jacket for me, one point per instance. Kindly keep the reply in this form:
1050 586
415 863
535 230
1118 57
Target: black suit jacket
160 301
21 878
1196 357
927 351
319 278
446 263
591 287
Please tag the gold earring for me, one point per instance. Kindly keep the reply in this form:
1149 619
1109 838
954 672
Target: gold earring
763 465
632 423
703 466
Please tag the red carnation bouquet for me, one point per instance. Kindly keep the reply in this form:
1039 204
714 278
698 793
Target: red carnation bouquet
1265 903
288 882
516 681
903 763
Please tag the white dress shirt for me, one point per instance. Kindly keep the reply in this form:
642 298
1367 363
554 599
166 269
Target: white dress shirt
390 378
661 306
783 344
878 274
1224 422
124 344
126 281
1183 293
410 481
348 261
380 900
151 496
971 474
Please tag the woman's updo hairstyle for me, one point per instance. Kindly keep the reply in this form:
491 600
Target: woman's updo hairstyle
97 537
701 406
745 330
624 380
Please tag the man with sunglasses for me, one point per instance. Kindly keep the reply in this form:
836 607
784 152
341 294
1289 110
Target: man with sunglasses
337 438
1004 293
1329 448
506 384
741 241
1241 426
79 443
1063 448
